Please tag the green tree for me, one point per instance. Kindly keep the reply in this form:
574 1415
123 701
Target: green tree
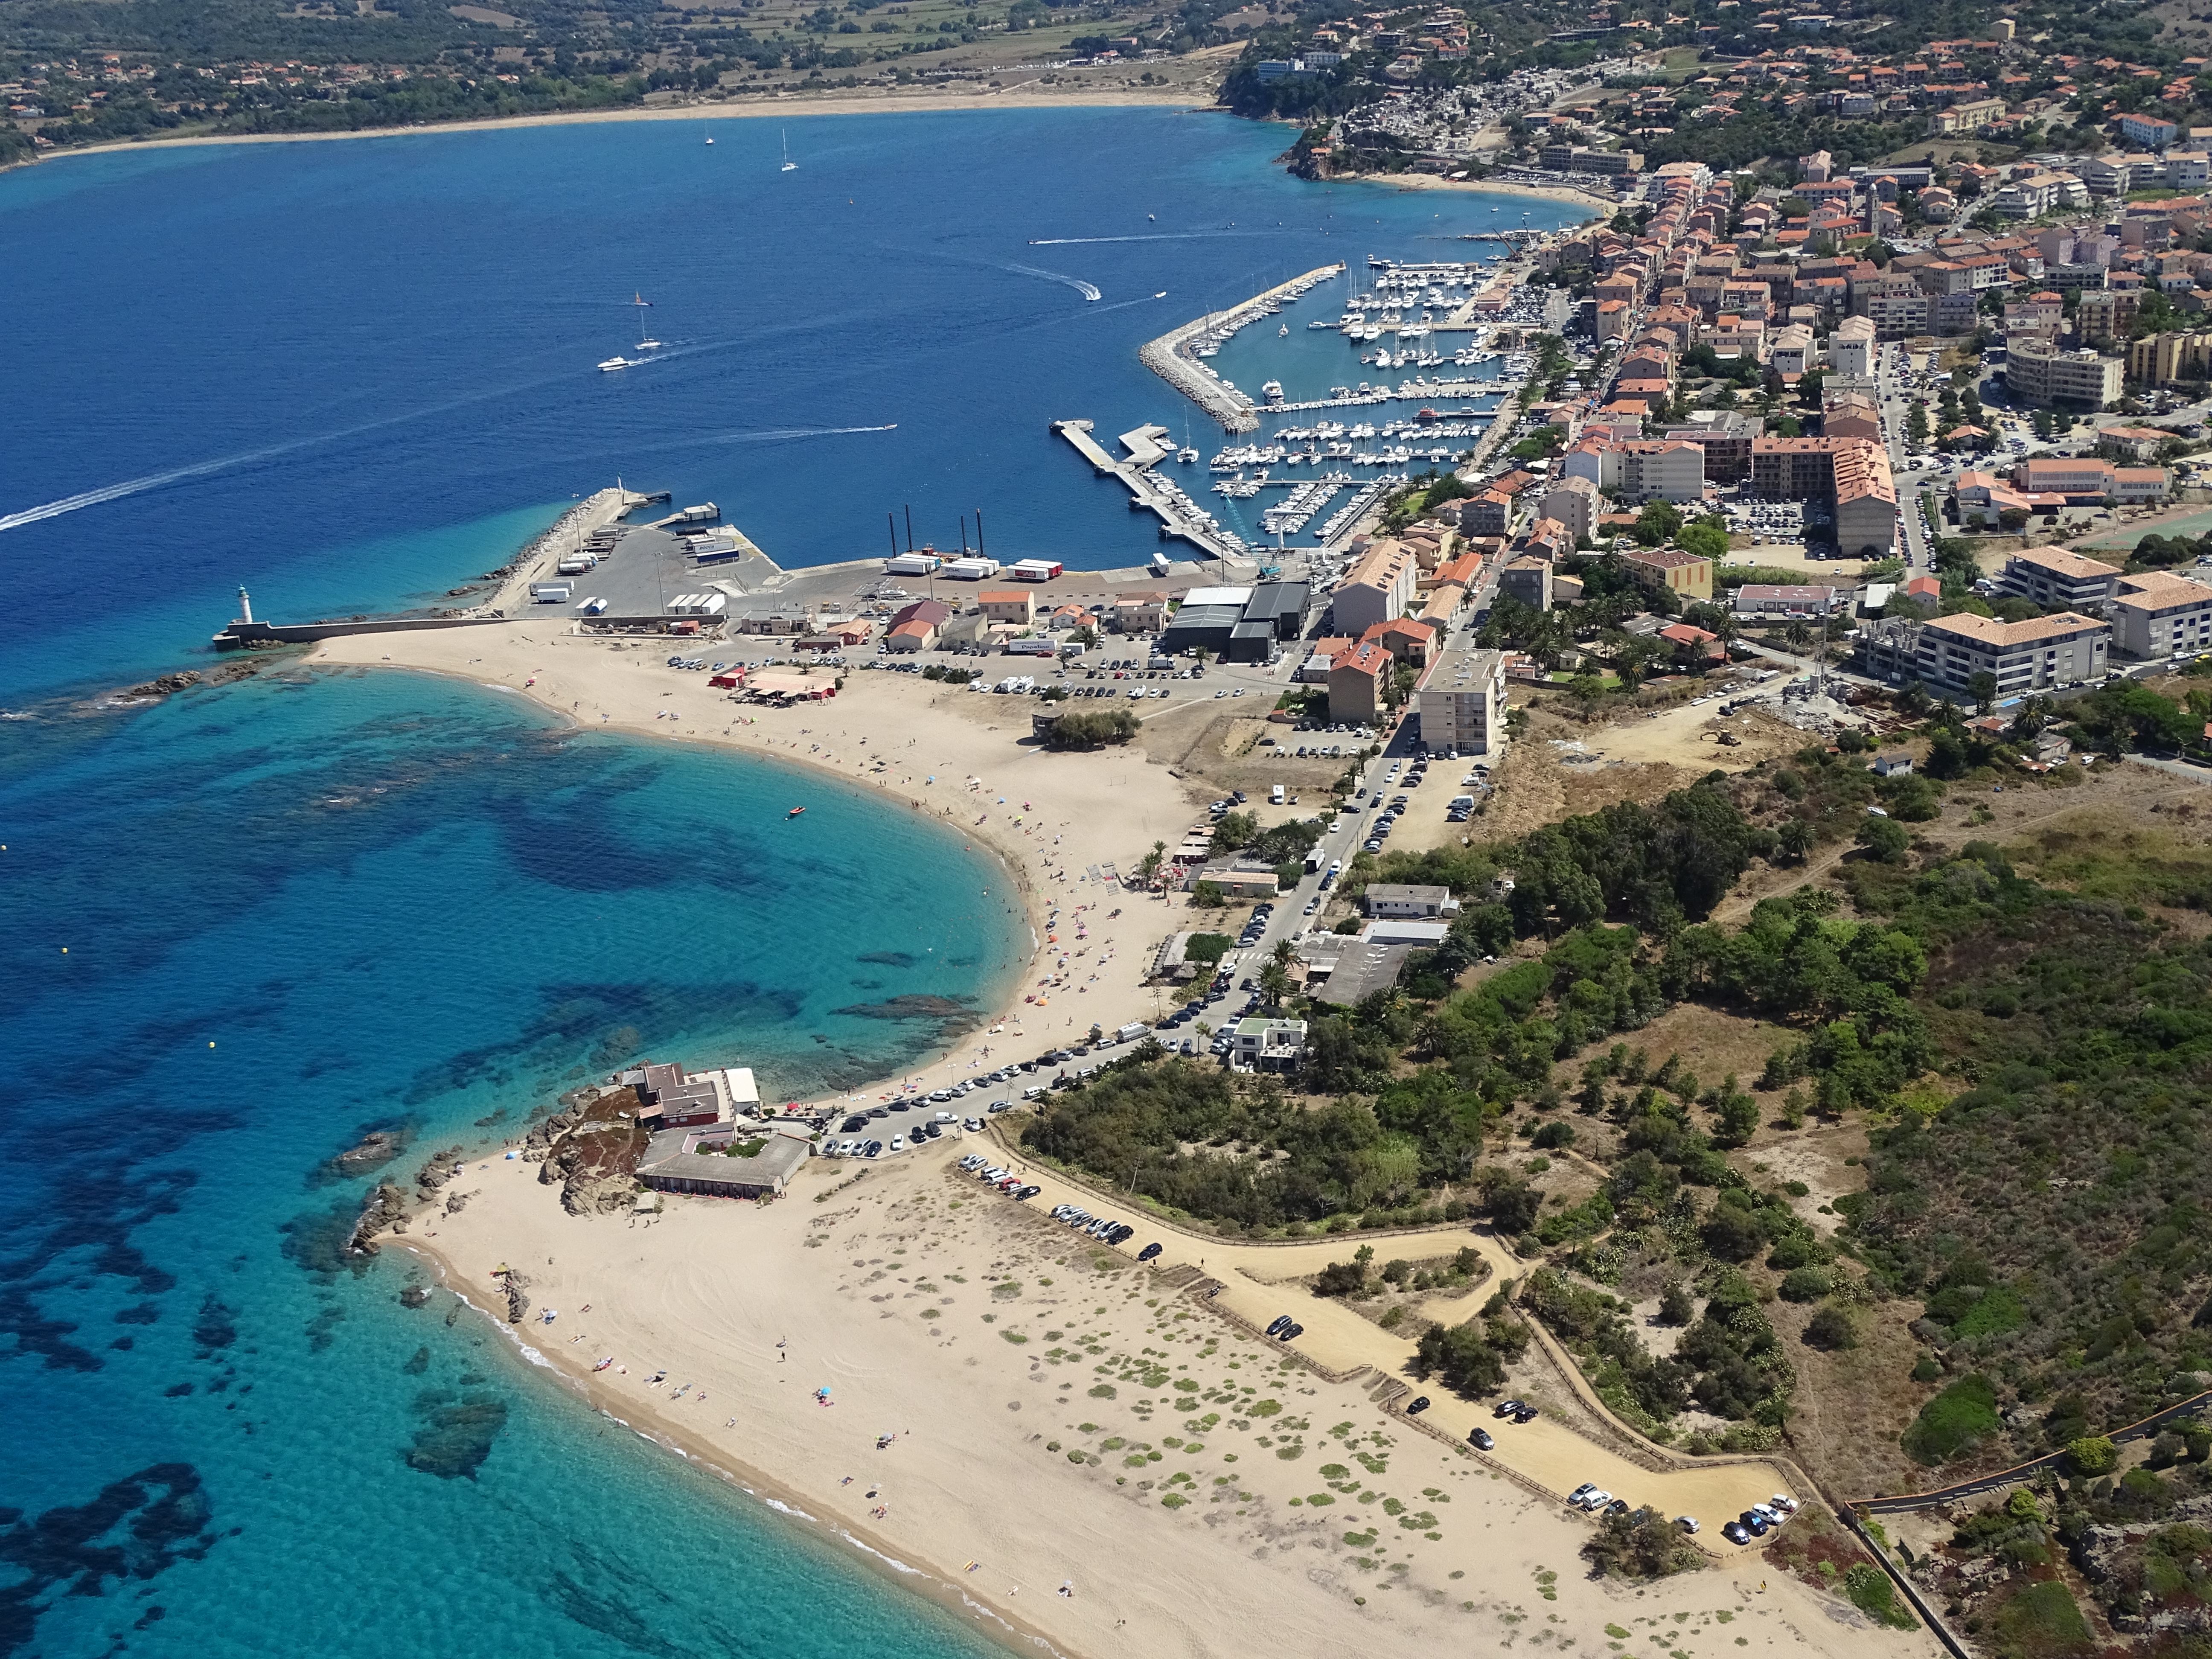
1982 686
1795 838
2092 1455
1884 839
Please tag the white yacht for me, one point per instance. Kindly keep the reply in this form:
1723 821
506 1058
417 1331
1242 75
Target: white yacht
612 364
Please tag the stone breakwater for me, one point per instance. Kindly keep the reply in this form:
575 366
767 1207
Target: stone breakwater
1171 356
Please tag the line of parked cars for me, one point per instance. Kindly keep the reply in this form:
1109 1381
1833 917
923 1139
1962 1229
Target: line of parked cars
1283 1327
1759 1519
1105 1229
979 1164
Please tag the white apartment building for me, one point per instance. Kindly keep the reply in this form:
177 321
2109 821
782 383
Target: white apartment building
2159 614
1460 700
1851 347
2039 656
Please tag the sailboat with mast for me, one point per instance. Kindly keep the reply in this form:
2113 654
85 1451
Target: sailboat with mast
643 304
789 166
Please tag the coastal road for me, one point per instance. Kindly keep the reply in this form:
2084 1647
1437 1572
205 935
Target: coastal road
1256 1286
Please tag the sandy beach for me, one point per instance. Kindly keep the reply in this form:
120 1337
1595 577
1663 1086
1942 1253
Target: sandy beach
1014 1410
1053 1440
886 102
959 756
1598 206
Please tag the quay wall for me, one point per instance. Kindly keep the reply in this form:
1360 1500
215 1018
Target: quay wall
242 633
1166 358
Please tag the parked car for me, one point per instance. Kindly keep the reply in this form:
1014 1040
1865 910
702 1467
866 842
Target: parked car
1506 1408
1482 1439
1420 1404
1277 1323
1736 1532
1687 1522
1148 1252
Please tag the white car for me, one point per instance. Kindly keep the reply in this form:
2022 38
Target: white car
898 1143
1595 1499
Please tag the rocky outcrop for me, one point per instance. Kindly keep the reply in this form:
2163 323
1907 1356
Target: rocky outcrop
591 1151
369 1154
442 1168
384 1212
455 1202
544 1132
516 1285
2098 1550
167 686
414 1296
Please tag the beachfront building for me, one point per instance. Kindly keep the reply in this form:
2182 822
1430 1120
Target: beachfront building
1460 700
716 1163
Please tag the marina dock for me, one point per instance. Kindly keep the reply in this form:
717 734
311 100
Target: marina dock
1169 356
1179 515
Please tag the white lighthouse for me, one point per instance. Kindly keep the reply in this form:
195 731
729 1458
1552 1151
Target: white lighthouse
245 605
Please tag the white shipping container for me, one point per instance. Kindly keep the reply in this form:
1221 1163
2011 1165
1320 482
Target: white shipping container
551 592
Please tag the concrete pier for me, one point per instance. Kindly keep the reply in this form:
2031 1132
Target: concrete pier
1179 515
1169 356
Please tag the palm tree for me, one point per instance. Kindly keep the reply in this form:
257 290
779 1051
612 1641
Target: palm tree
1149 866
1275 981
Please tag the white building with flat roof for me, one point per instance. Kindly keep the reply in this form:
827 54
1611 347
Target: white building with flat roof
1460 700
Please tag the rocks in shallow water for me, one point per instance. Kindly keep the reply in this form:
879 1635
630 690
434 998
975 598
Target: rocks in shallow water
167 686
414 1296
442 1168
215 1326
385 1212
417 1363
456 1434
369 1154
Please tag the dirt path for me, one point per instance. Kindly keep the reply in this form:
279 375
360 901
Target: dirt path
1547 1452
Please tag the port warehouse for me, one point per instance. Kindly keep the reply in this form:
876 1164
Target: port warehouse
1243 624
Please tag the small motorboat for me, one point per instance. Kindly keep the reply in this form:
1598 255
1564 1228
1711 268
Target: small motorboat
794 812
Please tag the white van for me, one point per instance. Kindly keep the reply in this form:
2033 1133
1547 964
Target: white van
1276 795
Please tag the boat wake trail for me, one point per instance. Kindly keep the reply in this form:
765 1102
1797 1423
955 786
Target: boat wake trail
1088 290
1163 236
116 492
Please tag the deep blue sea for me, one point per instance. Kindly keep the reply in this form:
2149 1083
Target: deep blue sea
241 926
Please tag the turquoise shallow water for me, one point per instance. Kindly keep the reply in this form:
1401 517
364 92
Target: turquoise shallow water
241 926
